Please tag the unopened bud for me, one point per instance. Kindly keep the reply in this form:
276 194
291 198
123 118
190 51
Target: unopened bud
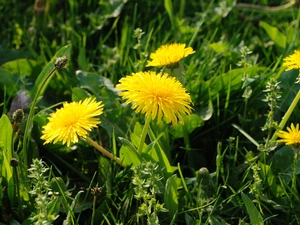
96 191
203 175
61 62
14 162
18 116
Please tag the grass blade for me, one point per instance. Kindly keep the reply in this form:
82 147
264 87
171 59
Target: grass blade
253 213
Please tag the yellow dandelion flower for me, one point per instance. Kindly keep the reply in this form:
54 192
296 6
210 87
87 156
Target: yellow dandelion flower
292 61
170 54
292 137
71 121
156 95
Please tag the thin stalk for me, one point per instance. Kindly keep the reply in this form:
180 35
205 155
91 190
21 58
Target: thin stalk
245 108
30 116
144 133
287 114
294 180
17 191
94 210
59 64
186 135
266 8
104 151
184 185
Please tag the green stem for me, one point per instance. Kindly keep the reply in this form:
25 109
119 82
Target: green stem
245 108
266 8
17 191
30 117
104 151
144 133
186 137
184 185
287 114
294 180
94 210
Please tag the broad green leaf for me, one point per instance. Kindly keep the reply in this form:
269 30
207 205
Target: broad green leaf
191 122
288 88
275 35
190 220
128 154
161 130
23 67
171 195
6 136
266 172
282 162
6 154
82 60
218 47
115 117
253 213
24 192
233 79
79 94
111 126
12 54
46 70
99 86
135 137
158 153
216 221
104 166
8 80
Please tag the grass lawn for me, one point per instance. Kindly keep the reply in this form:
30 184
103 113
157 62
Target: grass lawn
149 112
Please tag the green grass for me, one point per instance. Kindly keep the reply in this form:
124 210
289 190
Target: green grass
209 170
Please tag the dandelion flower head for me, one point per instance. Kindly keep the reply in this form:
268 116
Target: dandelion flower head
292 61
156 95
170 54
72 121
292 137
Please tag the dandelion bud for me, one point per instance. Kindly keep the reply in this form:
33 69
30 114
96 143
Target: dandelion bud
14 162
18 116
203 175
96 191
61 62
